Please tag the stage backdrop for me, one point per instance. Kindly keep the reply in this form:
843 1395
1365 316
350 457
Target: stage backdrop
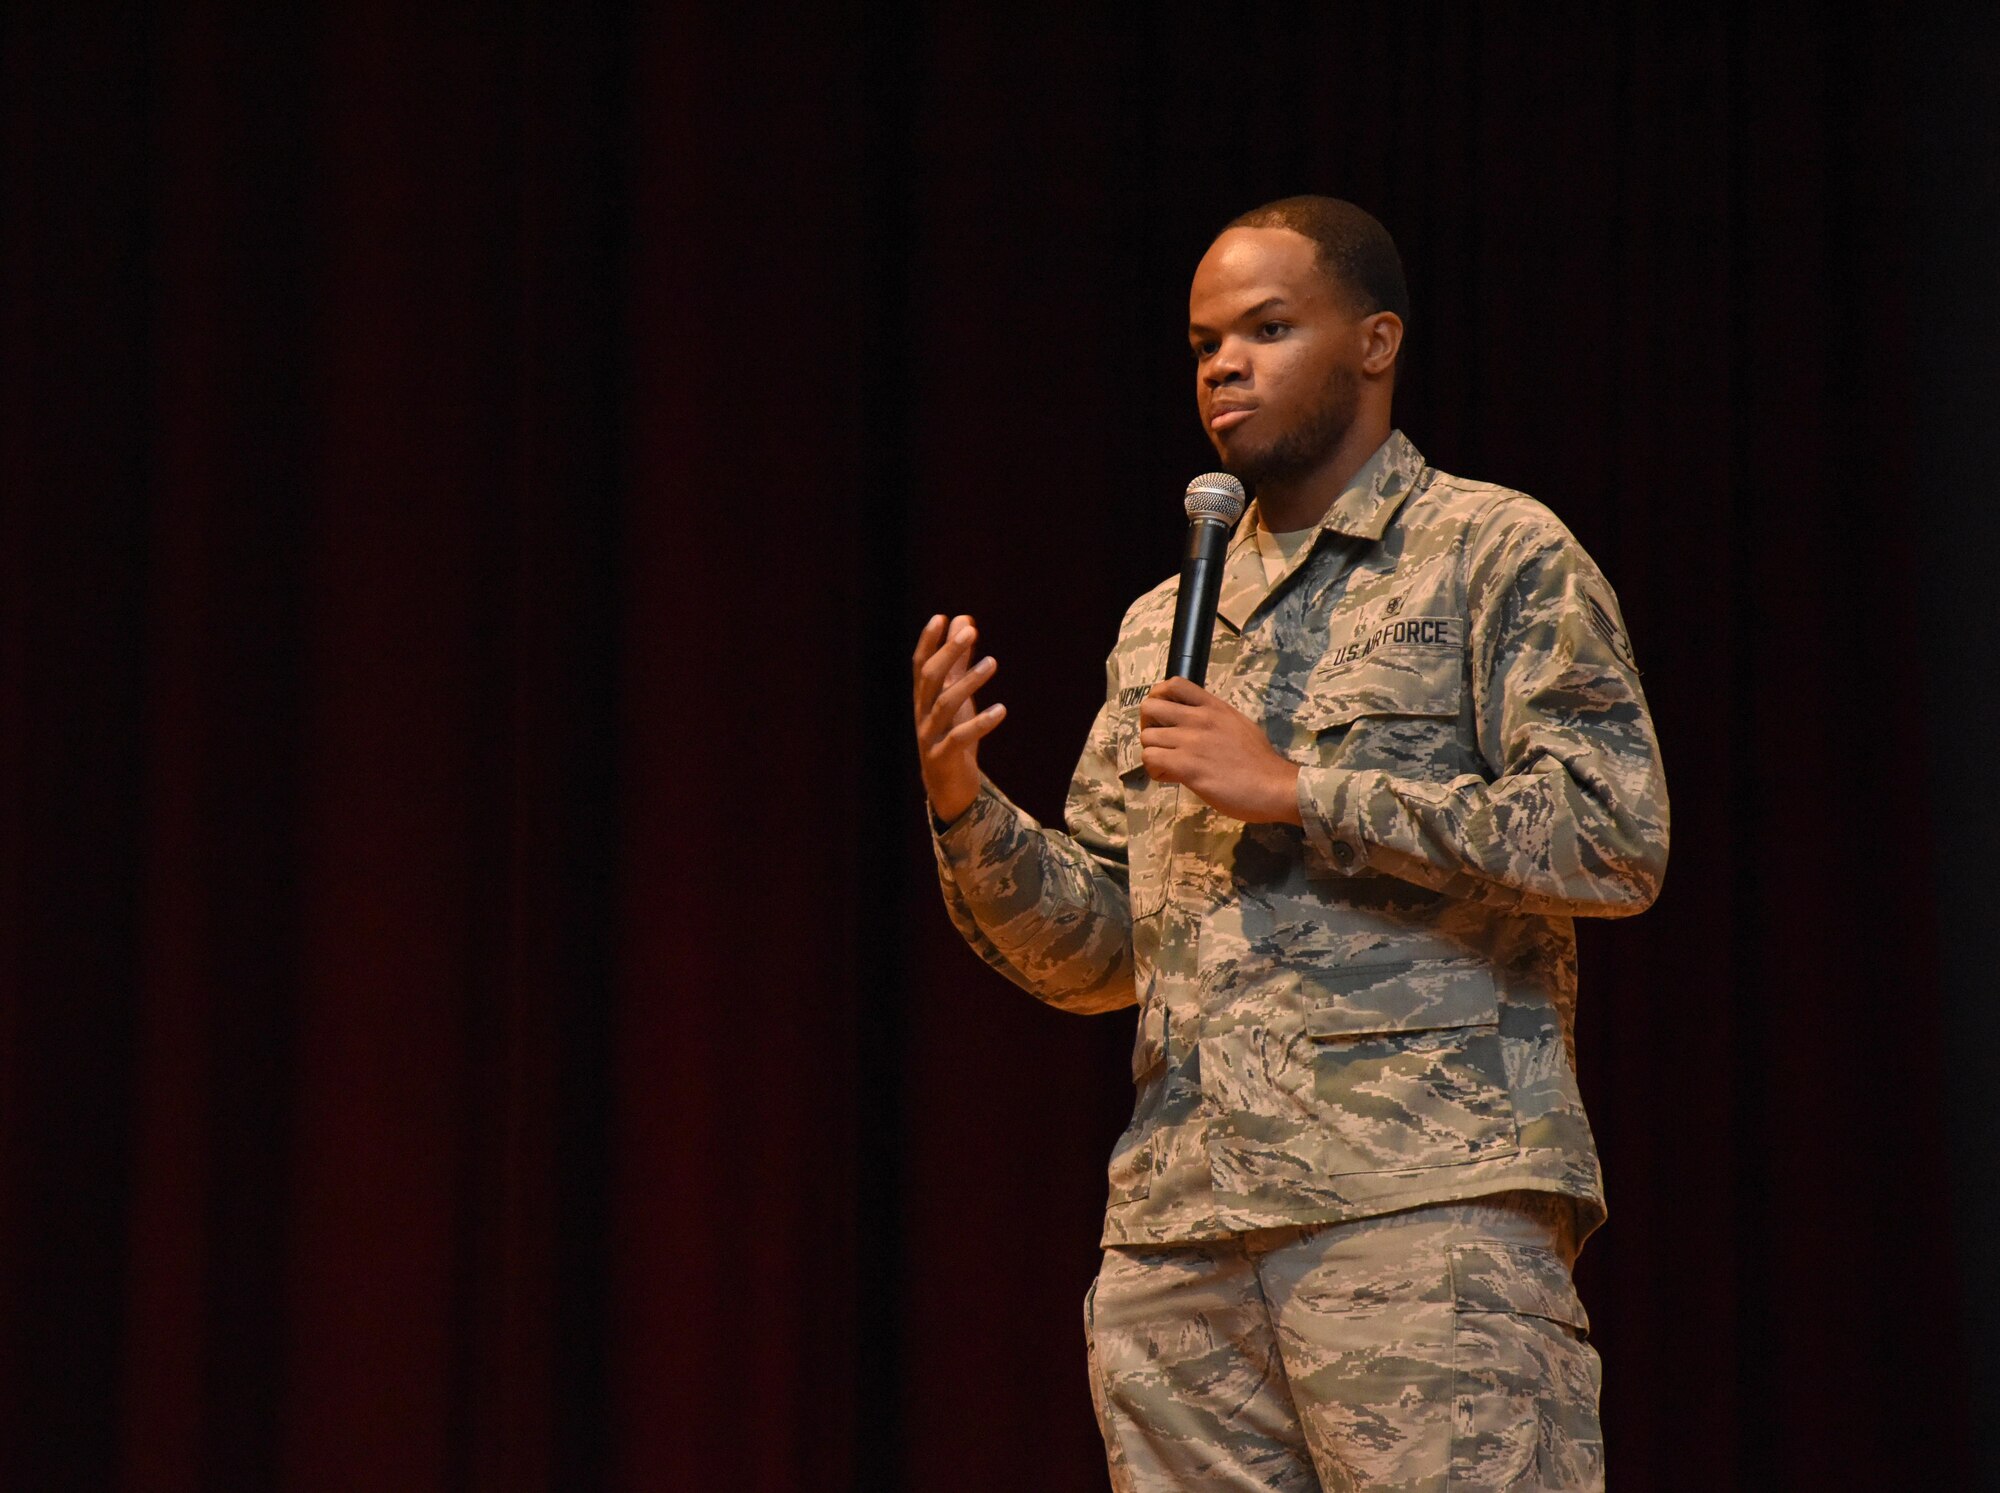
478 1014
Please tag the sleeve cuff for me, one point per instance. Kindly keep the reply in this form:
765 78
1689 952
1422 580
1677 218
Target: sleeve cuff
1329 808
957 842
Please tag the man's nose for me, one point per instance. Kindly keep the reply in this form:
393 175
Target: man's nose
1229 364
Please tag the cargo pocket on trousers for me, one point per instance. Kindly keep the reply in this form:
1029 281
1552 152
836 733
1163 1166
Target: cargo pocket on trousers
1114 1454
1525 1380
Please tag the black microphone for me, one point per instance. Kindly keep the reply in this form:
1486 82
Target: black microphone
1214 503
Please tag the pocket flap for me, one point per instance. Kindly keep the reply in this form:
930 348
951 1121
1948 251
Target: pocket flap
1412 995
1407 680
1127 755
1149 1046
1494 1277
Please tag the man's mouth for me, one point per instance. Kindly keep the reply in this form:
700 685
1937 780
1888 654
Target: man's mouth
1234 414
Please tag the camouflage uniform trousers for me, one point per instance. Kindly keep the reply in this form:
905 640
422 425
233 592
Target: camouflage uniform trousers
1438 1348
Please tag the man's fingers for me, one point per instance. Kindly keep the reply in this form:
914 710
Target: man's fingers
1167 738
928 663
967 732
946 668
1155 711
953 697
1183 691
937 669
955 694
952 654
927 644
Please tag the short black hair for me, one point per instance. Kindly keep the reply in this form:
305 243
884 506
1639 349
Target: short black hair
1350 246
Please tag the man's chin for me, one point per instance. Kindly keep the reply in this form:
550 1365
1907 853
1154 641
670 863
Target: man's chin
1232 454
1242 460
1286 457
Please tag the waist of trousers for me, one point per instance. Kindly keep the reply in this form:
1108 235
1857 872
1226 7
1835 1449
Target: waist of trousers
1542 1219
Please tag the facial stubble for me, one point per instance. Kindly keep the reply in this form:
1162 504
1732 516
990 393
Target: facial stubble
1318 432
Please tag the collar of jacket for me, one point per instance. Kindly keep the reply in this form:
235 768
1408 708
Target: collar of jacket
1362 511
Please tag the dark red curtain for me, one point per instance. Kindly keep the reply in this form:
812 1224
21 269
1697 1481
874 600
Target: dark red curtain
477 1013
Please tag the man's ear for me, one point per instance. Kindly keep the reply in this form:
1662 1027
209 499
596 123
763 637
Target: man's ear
1381 339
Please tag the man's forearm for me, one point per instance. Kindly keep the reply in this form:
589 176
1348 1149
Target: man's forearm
1036 905
1558 839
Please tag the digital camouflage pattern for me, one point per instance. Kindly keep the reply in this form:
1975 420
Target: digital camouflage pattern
1375 1011
1439 1348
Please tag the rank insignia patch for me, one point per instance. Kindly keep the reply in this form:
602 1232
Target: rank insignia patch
1602 624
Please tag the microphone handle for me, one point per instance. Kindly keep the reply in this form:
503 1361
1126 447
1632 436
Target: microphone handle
1194 605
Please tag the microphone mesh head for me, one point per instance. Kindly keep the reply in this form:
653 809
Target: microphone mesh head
1215 495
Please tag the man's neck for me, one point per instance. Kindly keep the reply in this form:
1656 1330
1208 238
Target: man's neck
1301 503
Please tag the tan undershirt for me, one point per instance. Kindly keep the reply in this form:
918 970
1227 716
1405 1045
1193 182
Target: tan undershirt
1279 550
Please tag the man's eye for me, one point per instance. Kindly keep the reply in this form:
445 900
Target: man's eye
1202 349
1272 328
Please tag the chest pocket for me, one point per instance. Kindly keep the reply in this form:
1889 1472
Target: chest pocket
1396 709
1425 681
1149 818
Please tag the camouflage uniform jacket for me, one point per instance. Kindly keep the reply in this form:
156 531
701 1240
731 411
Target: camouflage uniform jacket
1375 1011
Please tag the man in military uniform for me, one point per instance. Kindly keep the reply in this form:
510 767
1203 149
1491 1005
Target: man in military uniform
1338 882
